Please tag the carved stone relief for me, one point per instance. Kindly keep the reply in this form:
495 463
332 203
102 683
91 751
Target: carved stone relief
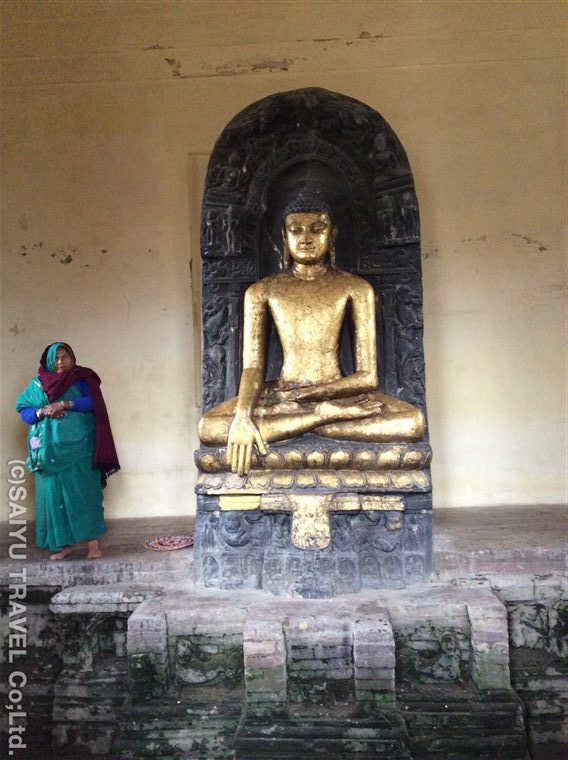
326 138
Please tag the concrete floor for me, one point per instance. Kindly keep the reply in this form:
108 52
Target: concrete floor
505 540
542 526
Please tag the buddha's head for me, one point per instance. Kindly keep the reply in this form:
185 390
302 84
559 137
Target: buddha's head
308 232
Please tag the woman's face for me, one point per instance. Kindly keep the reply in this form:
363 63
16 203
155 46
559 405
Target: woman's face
63 360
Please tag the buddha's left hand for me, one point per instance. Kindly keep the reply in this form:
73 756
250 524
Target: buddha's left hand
297 393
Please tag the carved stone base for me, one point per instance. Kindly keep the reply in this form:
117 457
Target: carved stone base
314 547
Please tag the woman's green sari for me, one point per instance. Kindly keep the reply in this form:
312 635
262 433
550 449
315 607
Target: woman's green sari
69 503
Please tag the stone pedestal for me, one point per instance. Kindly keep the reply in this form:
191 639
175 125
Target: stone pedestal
330 525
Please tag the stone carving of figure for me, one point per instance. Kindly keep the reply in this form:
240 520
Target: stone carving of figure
384 160
409 215
209 229
308 303
228 177
210 570
386 221
233 530
231 230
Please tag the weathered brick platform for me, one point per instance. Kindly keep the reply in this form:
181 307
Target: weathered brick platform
127 658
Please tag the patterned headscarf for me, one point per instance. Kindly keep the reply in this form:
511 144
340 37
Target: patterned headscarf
47 360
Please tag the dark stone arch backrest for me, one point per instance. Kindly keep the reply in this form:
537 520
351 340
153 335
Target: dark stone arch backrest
348 148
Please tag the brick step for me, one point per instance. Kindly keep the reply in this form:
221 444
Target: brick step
176 731
461 748
192 742
545 704
436 721
288 749
549 750
457 698
557 686
460 723
541 681
381 735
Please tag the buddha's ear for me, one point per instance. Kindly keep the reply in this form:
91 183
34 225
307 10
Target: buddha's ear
285 251
332 239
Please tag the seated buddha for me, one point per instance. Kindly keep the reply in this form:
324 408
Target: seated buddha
308 303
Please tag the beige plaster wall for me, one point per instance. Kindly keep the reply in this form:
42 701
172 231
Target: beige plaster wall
110 110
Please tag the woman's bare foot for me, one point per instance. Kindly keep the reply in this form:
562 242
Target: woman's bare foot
62 553
93 549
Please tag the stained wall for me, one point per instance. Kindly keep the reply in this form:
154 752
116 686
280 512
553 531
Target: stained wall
110 111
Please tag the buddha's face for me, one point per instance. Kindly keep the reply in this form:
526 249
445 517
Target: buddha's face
308 235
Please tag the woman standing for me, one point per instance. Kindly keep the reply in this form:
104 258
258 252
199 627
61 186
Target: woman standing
70 450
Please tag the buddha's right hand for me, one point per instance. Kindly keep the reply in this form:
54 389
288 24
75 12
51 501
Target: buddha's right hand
243 435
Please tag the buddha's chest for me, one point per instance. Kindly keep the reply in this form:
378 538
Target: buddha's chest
314 310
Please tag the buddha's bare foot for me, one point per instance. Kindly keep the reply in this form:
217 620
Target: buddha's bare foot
62 553
94 550
350 409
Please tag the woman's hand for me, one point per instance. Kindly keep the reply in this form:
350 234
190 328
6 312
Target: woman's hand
55 410
243 434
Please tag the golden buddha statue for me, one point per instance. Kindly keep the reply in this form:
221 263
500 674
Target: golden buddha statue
308 303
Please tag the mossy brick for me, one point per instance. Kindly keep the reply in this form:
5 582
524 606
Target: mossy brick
263 648
375 659
334 650
321 675
490 675
326 636
375 684
361 647
220 628
268 697
257 679
386 660
376 697
374 672
147 679
316 666
264 662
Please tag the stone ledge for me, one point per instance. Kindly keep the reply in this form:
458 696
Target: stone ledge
112 597
472 546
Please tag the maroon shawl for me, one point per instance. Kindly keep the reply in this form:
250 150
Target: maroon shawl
55 384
